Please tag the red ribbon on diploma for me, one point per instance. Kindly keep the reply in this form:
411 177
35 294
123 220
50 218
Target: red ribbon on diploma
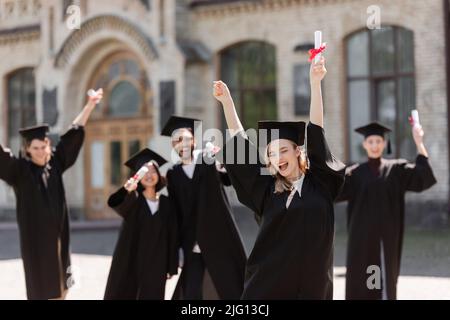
314 52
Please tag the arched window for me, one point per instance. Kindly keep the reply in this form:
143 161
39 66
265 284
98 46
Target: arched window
124 93
125 87
120 126
21 95
380 79
249 69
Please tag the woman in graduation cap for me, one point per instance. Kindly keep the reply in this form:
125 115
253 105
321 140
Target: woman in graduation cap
375 191
293 253
42 215
208 235
146 252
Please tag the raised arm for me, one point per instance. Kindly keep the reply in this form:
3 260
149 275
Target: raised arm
124 200
69 146
84 115
418 134
222 94
8 166
417 176
251 186
324 166
316 74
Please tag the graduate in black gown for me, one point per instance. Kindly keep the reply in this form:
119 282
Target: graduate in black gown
208 234
42 214
146 253
375 191
293 253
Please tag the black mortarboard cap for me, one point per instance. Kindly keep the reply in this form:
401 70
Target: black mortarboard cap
176 122
36 132
377 129
142 157
293 131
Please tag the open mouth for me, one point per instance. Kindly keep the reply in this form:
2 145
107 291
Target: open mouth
282 167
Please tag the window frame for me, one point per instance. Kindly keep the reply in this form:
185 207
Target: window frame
8 108
395 76
142 85
245 89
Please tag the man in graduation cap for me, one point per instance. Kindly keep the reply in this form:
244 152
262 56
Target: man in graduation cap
42 214
375 191
208 234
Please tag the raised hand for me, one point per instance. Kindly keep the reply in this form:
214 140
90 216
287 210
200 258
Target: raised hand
130 185
418 134
84 115
94 100
317 71
221 91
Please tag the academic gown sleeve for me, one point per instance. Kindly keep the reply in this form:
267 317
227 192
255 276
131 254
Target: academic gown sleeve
175 209
416 176
221 171
172 240
9 166
224 178
123 202
251 185
348 187
323 165
69 147
172 194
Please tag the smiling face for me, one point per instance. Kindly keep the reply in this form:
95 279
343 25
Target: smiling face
183 142
151 178
39 151
374 146
283 156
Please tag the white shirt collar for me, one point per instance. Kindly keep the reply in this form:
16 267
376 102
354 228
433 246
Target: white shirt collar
298 184
296 187
153 205
190 168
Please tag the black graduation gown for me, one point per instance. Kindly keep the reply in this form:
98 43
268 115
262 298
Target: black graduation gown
205 216
146 250
42 215
293 253
376 211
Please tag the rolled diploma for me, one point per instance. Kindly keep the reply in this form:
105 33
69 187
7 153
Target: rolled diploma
91 93
139 175
317 44
415 117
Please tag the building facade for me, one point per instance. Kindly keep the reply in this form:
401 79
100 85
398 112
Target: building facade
158 57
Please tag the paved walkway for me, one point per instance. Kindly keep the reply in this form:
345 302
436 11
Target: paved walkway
425 265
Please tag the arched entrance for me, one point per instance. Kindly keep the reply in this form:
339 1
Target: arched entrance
119 127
